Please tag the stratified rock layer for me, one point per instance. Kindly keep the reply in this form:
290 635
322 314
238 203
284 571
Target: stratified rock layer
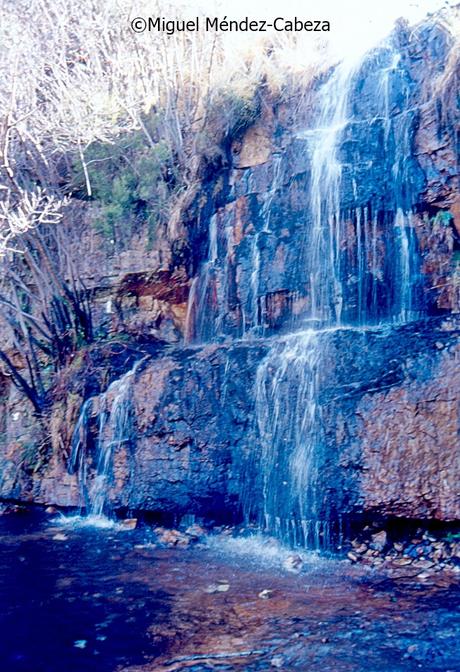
389 395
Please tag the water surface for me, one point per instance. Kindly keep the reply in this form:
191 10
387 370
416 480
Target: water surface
84 598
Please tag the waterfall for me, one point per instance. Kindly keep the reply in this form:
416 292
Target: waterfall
78 457
115 428
202 303
323 257
356 268
208 297
209 301
290 476
289 426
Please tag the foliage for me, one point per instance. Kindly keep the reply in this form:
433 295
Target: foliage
453 536
443 217
129 178
45 309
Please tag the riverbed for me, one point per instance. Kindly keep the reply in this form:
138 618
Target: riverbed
83 598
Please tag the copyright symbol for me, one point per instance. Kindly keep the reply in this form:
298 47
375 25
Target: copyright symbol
139 24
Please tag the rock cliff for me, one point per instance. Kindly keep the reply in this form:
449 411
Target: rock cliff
238 277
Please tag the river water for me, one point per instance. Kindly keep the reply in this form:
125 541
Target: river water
83 599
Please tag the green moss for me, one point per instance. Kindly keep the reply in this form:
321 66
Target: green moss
443 217
453 536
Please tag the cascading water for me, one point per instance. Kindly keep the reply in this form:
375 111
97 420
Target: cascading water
324 245
289 416
199 326
208 296
115 429
289 426
355 268
257 311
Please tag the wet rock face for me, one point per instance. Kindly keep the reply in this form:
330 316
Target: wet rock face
193 426
409 439
397 154
389 407
241 267
193 414
405 433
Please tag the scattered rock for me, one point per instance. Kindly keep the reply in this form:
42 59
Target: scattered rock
128 524
426 553
379 540
195 531
266 594
219 587
293 563
173 538
60 537
277 661
424 575
51 509
423 564
402 562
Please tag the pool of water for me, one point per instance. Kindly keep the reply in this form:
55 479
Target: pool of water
88 598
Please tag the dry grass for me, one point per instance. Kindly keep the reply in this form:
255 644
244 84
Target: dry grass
72 72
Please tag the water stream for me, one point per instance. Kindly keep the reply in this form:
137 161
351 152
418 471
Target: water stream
356 266
112 413
106 600
359 263
296 505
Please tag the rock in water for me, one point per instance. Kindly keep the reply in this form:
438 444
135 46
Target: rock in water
80 643
266 594
219 587
293 563
277 661
195 531
60 537
128 524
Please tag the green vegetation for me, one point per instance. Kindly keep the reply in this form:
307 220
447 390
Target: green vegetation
130 179
443 217
453 536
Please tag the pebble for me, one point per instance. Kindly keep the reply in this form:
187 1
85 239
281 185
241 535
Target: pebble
379 540
128 524
293 563
195 531
277 661
402 562
220 587
60 537
424 575
266 594
80 643
172 538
